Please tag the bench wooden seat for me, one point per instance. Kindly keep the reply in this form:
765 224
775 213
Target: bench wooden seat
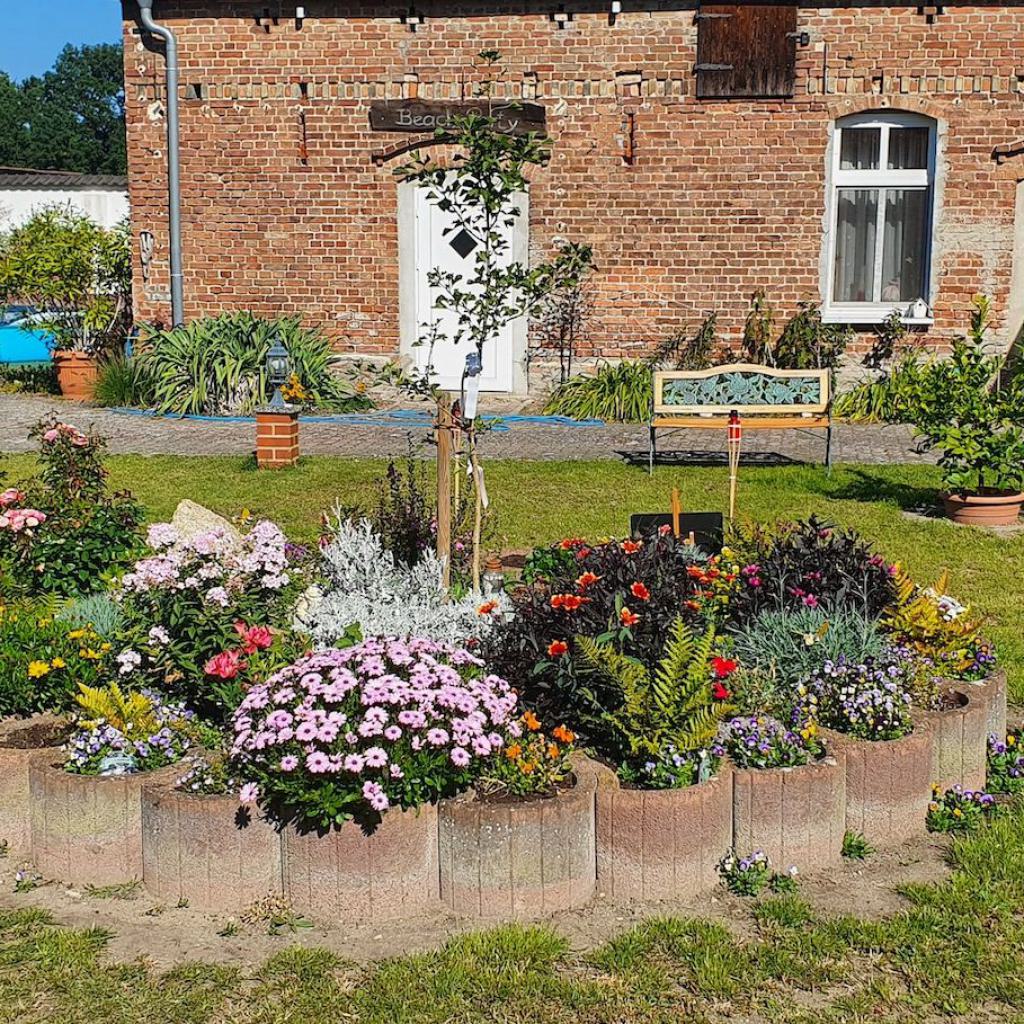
764 397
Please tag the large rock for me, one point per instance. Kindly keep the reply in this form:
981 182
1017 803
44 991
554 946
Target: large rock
191 520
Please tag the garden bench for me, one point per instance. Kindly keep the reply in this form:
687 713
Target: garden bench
765 398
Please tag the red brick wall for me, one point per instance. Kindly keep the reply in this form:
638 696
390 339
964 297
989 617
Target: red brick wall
723 197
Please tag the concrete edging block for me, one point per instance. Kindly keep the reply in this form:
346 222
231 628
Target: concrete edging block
959 741
210 850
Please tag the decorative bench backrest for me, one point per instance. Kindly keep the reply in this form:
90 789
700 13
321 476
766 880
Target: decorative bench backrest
746 387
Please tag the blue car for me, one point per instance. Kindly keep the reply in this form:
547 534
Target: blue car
20 342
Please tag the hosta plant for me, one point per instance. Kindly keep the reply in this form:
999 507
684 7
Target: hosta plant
670 710
350 733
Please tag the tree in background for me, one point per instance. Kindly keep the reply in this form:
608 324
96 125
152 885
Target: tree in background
69 119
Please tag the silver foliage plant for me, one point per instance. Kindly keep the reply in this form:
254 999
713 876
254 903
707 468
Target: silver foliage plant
363 584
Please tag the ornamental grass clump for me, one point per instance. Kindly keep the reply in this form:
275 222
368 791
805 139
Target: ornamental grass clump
121 732
350 733
959 809
870 701
763 742
1006 763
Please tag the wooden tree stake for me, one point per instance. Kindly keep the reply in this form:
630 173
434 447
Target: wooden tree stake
444 488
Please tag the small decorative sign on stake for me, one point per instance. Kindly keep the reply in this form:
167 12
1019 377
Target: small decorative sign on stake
706 530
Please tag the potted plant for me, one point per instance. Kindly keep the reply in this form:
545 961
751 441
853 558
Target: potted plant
76 276
972 413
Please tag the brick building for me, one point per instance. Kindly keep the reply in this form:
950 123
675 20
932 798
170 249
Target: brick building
861 155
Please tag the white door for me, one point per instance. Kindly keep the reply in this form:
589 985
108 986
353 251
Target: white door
440 244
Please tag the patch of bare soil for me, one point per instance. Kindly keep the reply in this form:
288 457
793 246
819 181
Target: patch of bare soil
167 935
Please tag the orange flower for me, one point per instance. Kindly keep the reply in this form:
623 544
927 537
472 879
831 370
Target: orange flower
513 751
563 735
487 608
631 547
531 721
557 648
693 606
571 542
588 579
695 572
553 750
640 592
628 618
567 602
527 767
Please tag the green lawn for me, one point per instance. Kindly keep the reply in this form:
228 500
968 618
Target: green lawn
957 950
537 502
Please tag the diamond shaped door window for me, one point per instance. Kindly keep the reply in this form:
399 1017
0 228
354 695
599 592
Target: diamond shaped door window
463 243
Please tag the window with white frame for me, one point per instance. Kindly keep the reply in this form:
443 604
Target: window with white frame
881 194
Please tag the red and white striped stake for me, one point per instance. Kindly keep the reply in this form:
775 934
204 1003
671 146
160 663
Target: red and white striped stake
735 443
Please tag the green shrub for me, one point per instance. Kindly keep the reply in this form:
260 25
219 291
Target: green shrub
42 659
795 643
887 399
99 612
123 382
32 378
217 366
619 392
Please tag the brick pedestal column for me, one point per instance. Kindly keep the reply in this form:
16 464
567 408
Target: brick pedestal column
277 438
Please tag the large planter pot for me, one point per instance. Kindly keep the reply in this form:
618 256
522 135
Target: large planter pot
959 741
350 876
208 850
77 373
87 829
797 816
983 509
888 784
990 693
23 741
517 859
663 843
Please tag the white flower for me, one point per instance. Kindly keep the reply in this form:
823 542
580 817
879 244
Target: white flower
128 661
218 595
159 635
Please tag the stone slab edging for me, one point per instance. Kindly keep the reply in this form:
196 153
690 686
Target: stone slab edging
348 876
87 829
518 859
797 816
959 741
662 843
888 784
23 741
991 693
209 850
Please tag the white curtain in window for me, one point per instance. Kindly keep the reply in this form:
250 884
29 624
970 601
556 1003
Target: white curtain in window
856 226
904 244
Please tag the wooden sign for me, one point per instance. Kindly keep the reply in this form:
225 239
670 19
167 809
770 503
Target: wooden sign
423 117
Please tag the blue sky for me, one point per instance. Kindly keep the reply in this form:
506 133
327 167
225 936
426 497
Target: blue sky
34 32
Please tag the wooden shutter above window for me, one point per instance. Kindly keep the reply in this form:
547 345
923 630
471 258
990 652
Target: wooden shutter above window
745 51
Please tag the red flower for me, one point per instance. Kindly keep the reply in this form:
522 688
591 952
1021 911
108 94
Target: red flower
628 618
640 592
557 648
254 638
588 579
723 667
571 542
488 608
631 547
692 606
665 530
582 553
567 602
719 692
225 665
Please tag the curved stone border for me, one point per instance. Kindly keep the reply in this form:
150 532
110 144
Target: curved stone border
23 741
797 816
991 694
888 784
959 742
662 843
514 859
88 829
209 850
351 877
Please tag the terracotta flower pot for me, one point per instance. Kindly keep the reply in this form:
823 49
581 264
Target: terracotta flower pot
209 850
22 741
797 816
983 509
959 740
88 828
662 843
888 784
512 859
77 373
353 877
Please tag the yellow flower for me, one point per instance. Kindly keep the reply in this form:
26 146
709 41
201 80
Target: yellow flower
957 813
933 806
58 663
1010 740
76 634
89 654
105 647
37 669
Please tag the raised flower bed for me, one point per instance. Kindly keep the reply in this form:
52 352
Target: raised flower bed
959 729
788 797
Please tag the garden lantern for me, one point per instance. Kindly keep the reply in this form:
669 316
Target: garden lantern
278 370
